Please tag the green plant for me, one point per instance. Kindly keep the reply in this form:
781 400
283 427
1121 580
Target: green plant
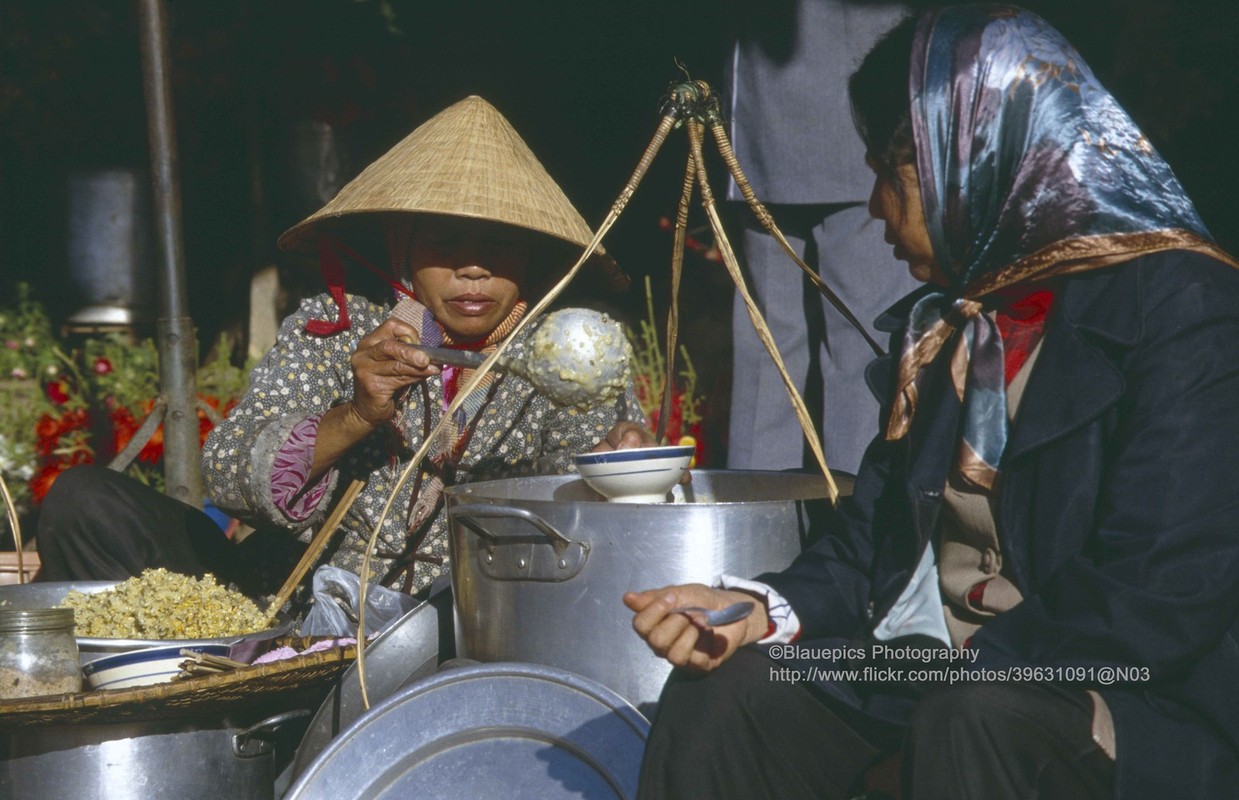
70 406
30 354
649 378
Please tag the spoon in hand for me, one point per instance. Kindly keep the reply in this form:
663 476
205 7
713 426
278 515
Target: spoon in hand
718 617
575 356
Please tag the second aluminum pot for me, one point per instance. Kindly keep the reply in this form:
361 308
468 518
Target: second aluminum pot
539 565
208 758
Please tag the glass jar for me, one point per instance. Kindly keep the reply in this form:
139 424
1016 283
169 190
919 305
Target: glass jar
38 653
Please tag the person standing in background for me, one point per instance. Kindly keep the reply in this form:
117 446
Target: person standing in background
790 122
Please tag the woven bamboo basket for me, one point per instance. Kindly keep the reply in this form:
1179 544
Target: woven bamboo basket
213 694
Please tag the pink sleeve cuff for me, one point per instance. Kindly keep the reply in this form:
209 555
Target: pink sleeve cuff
291 470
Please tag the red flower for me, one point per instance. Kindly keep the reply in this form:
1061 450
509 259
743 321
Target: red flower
204 423
58 392
102 366
124 426
49 429
44 478
675 422
695 438
46 431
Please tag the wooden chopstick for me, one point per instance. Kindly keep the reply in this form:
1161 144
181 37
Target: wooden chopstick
316 547
211 660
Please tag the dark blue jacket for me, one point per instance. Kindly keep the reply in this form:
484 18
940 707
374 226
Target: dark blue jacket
1118 516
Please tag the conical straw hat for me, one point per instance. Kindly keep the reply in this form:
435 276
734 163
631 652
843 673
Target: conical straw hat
466 161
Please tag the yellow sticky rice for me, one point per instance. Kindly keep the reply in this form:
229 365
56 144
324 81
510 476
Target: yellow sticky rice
164 605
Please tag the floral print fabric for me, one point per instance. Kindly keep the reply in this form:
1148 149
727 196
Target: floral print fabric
520 432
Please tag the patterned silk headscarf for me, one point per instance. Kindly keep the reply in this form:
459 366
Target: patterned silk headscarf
1028 169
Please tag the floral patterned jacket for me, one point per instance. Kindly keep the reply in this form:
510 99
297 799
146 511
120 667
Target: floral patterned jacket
518 432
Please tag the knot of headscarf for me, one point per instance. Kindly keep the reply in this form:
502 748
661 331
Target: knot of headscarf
975 373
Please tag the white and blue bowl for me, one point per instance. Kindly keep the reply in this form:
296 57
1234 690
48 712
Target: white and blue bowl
636 475
143 667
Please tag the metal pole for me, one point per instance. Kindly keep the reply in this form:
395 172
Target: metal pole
178 352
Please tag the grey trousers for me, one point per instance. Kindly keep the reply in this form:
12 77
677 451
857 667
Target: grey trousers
824 354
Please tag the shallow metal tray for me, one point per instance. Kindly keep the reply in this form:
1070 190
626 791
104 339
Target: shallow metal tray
49 595
516 731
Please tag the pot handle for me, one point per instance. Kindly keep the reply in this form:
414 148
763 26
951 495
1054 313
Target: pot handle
255 740
516 559
468 515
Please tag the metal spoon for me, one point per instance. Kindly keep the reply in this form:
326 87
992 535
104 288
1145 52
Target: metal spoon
576 357
718 617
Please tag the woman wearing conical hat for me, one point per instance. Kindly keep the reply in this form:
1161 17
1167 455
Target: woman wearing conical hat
461 220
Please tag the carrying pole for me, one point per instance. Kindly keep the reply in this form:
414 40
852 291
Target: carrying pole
174 334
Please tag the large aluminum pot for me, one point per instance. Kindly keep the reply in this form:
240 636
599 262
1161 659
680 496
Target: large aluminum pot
539 564
204 759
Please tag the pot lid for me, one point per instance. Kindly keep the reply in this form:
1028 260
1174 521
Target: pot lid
490 730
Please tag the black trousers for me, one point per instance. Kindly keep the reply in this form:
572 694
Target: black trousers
98 524
736 733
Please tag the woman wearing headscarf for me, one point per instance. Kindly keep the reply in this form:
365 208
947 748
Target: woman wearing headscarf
1033 591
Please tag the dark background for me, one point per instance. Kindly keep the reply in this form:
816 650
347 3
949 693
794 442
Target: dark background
580 80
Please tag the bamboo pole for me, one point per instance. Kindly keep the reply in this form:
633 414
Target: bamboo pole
767 222
695 135
673 310
10 509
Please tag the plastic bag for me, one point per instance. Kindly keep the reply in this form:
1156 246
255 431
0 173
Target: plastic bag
335 609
